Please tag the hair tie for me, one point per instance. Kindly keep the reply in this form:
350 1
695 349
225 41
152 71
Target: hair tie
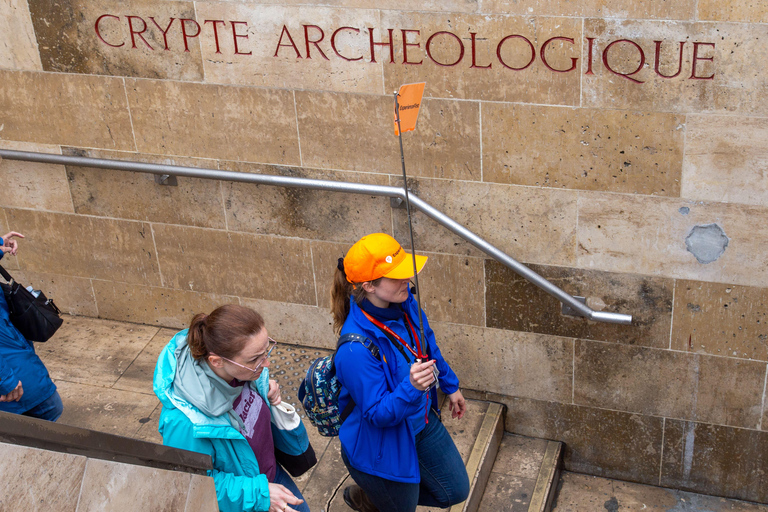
340 264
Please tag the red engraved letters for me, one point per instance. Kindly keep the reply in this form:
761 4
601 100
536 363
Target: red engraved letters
623 57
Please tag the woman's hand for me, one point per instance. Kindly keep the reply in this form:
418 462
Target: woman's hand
10 245
281 499
422 375
458 406
13 396
273 395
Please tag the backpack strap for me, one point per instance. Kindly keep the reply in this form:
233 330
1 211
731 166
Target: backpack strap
374 350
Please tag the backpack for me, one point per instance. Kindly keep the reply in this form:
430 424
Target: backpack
319 391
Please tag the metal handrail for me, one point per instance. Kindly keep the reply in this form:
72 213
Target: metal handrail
575 305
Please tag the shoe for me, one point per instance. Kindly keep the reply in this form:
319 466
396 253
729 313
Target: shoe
356 499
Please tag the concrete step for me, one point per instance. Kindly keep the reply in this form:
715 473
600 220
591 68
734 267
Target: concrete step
524 475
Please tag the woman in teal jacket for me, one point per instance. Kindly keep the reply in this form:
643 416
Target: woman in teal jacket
393 442
213 383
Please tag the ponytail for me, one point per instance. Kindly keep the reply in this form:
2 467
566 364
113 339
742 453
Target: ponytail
224 332
341 291
196 336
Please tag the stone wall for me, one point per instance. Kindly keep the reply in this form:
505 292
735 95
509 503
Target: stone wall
618 148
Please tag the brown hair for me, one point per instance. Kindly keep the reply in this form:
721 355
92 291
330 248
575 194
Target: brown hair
340 293
223 332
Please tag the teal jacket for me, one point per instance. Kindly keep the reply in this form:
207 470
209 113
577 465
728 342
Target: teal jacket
240 486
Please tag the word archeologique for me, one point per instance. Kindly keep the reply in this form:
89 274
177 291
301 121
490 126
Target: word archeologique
625 57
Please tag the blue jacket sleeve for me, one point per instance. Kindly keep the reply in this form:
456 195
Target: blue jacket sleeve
2 242
8 379
363 376
234 493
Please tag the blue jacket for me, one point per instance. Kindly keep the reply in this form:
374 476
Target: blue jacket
378 437
18 362
240 486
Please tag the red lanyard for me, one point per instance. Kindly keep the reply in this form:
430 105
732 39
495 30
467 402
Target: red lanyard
392 333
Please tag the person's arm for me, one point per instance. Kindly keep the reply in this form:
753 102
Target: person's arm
232 491
363 376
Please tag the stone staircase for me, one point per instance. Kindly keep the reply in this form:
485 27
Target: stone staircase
104 373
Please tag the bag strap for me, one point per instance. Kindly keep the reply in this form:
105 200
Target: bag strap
6 275
374 350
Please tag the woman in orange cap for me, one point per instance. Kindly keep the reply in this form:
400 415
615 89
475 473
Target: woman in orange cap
393 442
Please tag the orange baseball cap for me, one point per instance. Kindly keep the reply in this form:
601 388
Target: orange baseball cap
379 255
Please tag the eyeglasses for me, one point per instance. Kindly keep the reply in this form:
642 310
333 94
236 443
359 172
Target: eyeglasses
272 345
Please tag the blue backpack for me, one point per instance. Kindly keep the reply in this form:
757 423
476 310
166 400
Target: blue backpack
319 391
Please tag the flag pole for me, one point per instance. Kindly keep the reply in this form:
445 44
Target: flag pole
410 225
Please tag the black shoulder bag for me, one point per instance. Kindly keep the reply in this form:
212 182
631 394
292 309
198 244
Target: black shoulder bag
36 318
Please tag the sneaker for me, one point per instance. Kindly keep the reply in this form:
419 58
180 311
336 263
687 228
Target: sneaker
356 499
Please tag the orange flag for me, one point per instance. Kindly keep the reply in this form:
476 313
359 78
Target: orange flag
409 100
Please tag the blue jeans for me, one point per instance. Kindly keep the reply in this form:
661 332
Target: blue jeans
50 409
284 479
444 480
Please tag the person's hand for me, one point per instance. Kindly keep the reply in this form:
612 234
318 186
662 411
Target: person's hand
457 405
13 396
273 395
281 499
422 375
9 244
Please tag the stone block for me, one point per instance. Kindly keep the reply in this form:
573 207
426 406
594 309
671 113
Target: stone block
103 38
671 384
202 495
112 411
18 46
356 132
610 150
51 108
72 295
654 9
720 319
597 441
325 259
725 159
304 213
240 123
37 479
448 66
138 376
154 305
509 363
136 195
733 10
296 324
515 304
239 264
723 81
529 224
622 233
452 289
258 60
33 185
715 460
92 352
109 485
83 246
